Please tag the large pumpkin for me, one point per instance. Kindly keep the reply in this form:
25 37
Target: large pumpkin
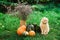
31 33
21 29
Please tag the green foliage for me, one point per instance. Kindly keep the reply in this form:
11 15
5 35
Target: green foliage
28 1
7 24
36 1
44 0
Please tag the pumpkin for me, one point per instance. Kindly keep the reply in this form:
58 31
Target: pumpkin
31 33
21 29
25 33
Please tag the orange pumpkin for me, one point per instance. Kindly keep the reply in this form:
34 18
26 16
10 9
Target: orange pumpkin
31 33
21 29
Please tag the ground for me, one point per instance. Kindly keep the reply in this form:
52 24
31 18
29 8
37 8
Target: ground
9 24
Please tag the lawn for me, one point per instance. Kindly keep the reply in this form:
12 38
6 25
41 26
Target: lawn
9 24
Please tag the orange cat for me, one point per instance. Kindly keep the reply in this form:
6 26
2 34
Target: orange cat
44 26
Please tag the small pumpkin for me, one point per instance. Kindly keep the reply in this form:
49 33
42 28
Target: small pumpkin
21 29
31 33
25 33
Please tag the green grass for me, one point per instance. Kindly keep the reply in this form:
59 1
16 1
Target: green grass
9 24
